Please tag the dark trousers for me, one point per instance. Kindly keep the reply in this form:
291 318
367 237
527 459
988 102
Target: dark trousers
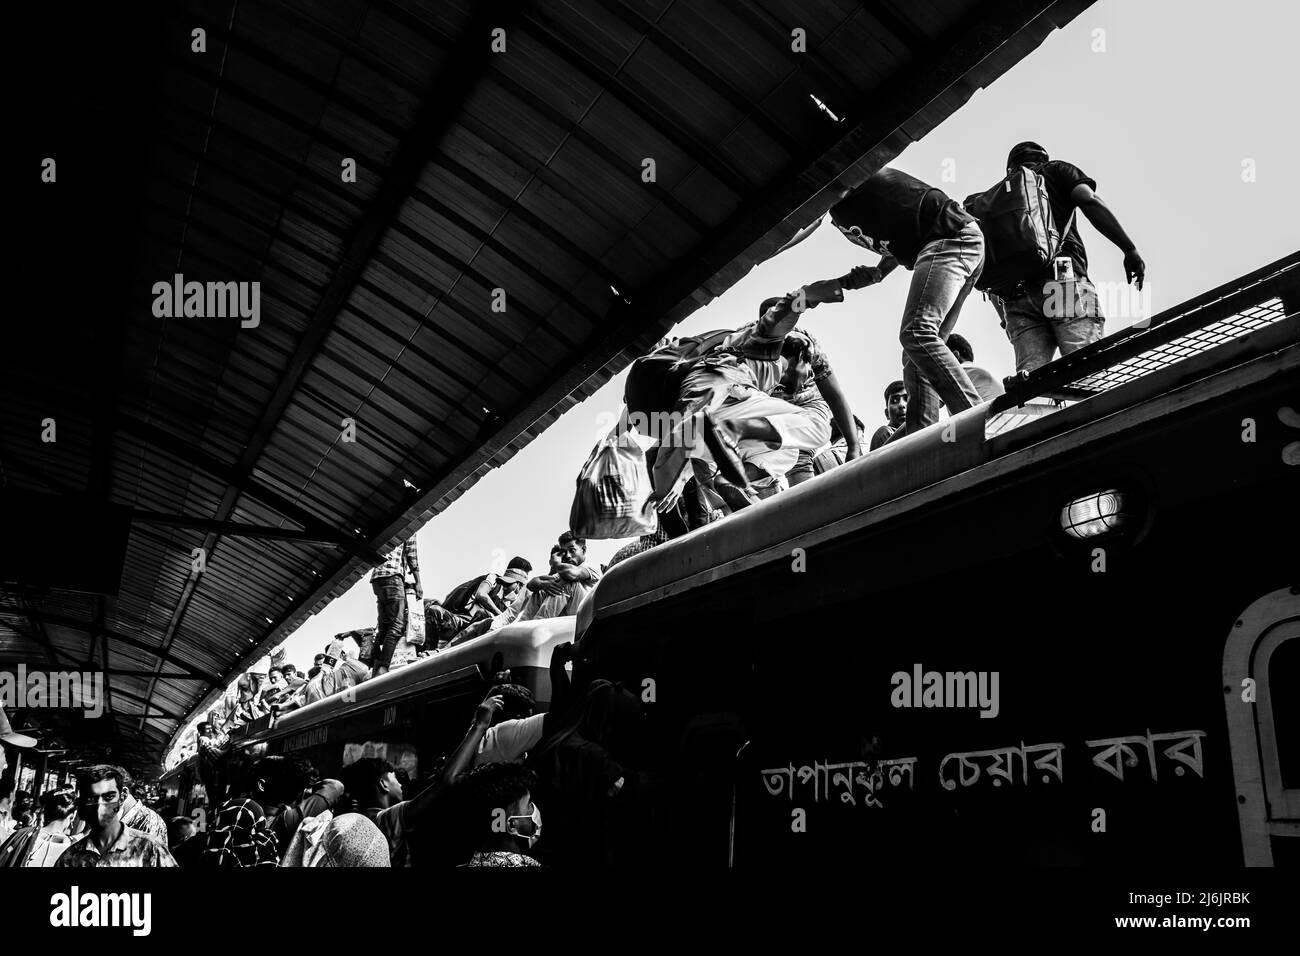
390 595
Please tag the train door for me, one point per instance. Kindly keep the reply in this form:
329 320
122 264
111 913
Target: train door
1261 667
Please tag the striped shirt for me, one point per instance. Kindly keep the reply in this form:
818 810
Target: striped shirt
401 558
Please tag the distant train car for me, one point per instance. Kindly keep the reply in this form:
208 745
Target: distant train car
414 715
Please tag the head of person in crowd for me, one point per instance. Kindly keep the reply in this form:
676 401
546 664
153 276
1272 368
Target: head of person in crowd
100 791
896 403
277 780
311 674
557 556
275 679
57 808
500 808
289 671
516 573
961 348
23 810
372 783
518 702
319 660
857 423
1026 154
575 548
180 829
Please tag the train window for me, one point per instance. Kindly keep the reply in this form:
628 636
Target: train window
1259 673
400 754
1284 672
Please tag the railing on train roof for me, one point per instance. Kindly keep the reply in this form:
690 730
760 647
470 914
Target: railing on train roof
1231 311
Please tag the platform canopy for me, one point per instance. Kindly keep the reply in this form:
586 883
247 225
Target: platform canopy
497 146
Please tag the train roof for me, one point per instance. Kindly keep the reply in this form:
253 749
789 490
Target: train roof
525 644
1224 340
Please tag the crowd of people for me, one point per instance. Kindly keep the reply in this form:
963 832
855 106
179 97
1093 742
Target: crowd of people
755 411
480 806
473 608
760 409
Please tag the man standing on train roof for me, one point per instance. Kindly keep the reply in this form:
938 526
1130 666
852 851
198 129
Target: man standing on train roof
1035 334
917 226
389 583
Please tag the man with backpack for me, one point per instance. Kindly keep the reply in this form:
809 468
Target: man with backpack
1037 276
479 598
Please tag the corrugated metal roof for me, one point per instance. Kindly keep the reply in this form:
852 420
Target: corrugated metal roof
475 171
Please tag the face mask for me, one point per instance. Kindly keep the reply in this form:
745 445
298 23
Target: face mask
536 817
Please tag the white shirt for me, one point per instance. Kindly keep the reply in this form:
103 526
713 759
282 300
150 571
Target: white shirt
47 848
508 741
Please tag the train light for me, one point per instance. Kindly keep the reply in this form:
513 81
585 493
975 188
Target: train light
1094 515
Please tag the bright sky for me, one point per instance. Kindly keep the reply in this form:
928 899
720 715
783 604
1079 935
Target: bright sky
1172 110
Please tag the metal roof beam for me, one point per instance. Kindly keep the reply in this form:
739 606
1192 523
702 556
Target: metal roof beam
58 620
239 477
460 73
233 528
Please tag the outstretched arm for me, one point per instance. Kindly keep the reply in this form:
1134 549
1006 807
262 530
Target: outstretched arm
461 760
1101 216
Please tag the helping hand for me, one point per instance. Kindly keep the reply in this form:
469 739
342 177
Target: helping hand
1134 268
488 709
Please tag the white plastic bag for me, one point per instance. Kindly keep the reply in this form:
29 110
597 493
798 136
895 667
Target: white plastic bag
612 499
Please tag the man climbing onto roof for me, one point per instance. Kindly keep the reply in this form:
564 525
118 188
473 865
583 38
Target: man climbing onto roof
727 409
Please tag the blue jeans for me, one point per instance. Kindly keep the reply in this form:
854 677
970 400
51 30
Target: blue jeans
390 595
1043 317
945 273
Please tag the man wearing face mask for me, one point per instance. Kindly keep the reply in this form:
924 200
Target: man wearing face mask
502 811
100 790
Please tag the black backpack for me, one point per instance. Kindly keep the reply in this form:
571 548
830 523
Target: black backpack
1020 234
654 380
461 594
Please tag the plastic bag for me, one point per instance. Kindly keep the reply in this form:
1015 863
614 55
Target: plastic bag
612 499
